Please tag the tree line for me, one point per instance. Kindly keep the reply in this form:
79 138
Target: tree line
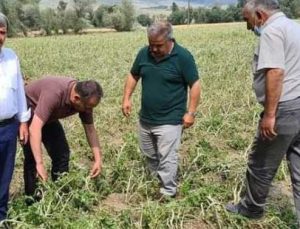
27 15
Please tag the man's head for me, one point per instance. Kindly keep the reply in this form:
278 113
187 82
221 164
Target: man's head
160 37
86 95
257 12
3 29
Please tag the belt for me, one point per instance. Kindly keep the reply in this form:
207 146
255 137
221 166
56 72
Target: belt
6 122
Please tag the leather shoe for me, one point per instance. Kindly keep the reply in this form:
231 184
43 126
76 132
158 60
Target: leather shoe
241 210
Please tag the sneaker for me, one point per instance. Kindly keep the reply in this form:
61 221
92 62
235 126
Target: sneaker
241 210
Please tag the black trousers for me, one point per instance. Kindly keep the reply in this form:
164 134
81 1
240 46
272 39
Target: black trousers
55 142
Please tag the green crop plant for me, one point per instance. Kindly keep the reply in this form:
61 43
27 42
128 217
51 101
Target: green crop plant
213 152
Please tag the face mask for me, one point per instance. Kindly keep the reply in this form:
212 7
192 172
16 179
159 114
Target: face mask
257 30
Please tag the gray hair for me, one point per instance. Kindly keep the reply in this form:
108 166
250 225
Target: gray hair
270 6
161 29
3 20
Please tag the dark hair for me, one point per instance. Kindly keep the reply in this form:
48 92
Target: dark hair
88 89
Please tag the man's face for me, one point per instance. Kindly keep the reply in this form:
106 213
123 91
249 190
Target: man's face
81 105
3 33
249 18
159 46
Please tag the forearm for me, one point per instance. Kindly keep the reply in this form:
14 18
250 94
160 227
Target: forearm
194 96
274 79
93 141
130 85
35 139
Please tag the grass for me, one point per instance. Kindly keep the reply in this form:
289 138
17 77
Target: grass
213 152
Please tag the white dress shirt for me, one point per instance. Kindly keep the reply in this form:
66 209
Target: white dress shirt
12 94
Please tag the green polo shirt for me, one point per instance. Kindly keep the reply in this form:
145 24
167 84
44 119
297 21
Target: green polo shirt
164 84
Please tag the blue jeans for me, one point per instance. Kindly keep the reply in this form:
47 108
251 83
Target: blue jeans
8 144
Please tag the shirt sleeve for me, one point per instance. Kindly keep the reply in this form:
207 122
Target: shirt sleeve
23 111
135 69
86 117
271 52
189 69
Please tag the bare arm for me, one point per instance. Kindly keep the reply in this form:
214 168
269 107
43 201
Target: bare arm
35 138
130 85
194 97
274 81
93 141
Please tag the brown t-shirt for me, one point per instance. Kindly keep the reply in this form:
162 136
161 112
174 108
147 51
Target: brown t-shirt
49 99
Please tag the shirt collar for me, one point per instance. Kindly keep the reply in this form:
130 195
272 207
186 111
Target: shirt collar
273 18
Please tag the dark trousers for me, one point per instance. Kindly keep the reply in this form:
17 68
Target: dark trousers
8 143
55 142
266 157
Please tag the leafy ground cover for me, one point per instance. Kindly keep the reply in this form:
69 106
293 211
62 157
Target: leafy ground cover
213 152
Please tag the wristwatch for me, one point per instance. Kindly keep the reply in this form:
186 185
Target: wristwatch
192 113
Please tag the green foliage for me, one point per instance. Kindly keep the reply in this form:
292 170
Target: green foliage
101 15
49 21
213 152
123 16
144 19
31 16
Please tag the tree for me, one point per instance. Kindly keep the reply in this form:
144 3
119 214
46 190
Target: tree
178 17
49 21
144 19
123 17
31 16
81 7
62 23
174 7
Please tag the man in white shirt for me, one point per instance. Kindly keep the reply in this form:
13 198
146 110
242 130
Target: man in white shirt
276 83
13 115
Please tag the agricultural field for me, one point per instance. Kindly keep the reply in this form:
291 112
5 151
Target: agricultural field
213 154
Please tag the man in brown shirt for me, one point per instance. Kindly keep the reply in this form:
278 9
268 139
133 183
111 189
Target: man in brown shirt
50 99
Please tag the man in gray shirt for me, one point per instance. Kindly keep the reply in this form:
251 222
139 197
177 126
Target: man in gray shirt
276 71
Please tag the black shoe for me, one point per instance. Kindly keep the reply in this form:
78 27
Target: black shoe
241 210
31 199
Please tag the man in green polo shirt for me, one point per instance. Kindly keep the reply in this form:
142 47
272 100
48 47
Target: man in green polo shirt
166 70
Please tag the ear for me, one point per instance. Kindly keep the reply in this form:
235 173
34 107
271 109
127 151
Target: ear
259 14
77 98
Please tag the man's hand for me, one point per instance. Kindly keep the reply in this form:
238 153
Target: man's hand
41 171
96 169
267 125
188 120
23 133
126 107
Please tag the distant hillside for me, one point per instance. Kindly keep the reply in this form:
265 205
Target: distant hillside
152 3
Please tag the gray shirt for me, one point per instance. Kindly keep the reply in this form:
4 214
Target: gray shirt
279 47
